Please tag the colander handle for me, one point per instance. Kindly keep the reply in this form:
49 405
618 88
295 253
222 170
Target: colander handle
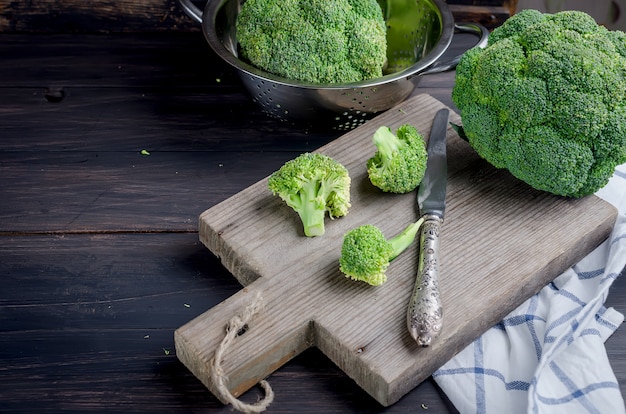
191 10
473 28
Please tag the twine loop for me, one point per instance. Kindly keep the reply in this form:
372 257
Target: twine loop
237 324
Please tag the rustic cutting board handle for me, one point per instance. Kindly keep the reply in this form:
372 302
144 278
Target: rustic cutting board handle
237 326
269 340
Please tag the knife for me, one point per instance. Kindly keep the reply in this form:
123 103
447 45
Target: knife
425 312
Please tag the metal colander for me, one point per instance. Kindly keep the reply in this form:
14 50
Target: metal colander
342 106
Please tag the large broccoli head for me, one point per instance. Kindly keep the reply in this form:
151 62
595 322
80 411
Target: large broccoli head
313 184
546 99
318 41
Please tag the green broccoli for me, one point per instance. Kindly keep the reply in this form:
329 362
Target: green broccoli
316 41
366 253
546 100
313 184
399 164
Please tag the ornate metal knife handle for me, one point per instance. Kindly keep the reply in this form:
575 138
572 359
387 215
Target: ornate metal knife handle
425 313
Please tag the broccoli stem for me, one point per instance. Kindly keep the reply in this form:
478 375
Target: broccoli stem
405 238
312 218
312 211
386 142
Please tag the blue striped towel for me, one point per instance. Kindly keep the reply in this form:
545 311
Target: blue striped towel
548 355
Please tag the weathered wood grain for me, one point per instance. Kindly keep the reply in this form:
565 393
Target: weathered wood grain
498 247
75 16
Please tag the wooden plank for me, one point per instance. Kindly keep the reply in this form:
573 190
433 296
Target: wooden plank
99 281
502 241
76 16
166 60
115 191
121 119
86 321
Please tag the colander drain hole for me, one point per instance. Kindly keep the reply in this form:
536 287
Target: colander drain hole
349 120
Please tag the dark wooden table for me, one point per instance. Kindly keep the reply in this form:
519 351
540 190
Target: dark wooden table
110 148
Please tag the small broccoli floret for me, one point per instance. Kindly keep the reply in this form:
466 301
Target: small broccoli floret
399 164
546 99
317 41
313 184
366 253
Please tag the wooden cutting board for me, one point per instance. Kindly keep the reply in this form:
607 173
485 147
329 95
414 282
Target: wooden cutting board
501 242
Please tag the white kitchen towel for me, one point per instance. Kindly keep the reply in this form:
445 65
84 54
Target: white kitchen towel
548 355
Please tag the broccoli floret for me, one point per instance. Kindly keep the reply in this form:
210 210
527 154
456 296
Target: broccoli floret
366 253
546 99
316 41
313 184
399 164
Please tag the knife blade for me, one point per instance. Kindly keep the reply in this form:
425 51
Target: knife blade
425 311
